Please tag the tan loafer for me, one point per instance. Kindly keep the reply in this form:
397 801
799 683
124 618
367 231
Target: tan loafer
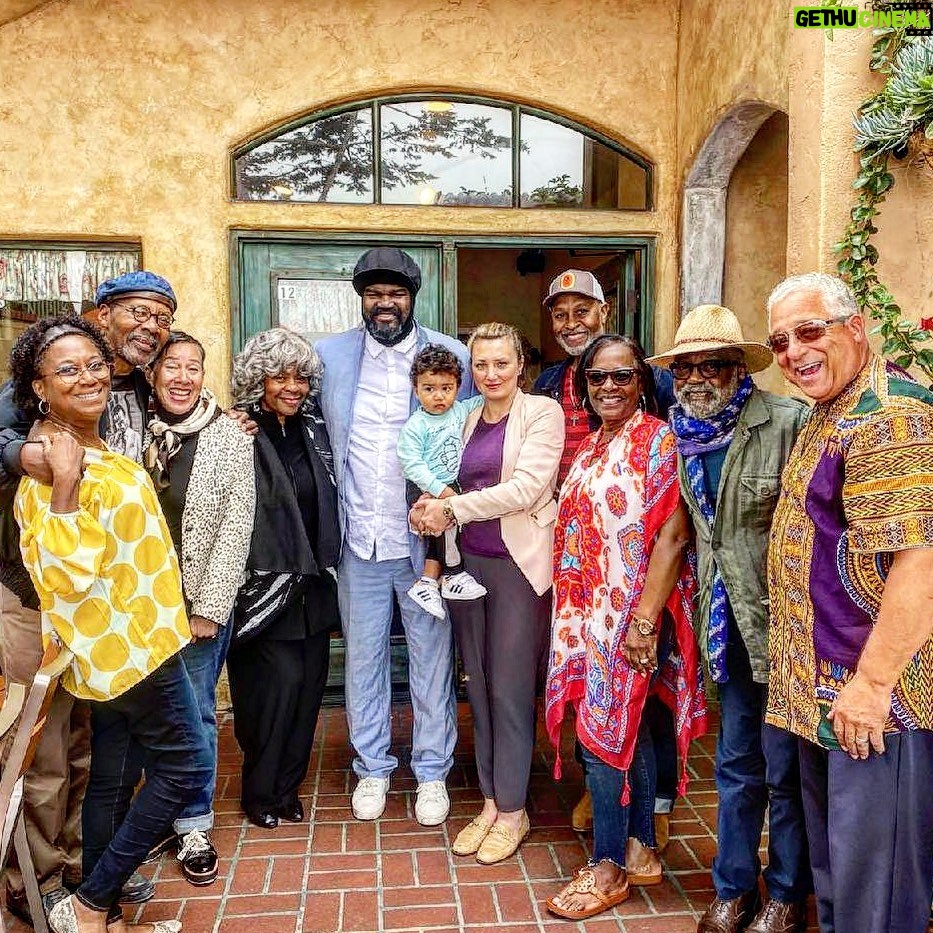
471 837
662 830
501 843
582 817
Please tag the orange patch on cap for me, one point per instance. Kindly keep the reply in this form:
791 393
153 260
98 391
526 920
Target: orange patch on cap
567 280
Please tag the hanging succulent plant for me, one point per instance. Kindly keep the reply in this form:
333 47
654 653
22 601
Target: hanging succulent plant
897 122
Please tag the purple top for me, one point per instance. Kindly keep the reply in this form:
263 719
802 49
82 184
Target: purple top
481 466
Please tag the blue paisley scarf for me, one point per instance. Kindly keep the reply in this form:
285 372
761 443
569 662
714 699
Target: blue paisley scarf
695 437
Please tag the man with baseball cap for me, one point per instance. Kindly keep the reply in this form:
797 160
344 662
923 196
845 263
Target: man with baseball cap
135 310
578 312
366 397
733 441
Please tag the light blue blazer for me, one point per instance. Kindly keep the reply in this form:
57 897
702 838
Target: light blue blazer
342 356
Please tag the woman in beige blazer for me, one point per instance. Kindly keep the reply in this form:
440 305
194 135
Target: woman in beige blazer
506 513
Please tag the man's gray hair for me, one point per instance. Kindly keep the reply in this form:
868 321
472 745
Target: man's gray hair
836 295
270 353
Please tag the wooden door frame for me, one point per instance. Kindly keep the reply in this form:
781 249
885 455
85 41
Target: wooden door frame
448 245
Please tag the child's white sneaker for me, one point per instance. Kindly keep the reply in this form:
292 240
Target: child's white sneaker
461 586
426 593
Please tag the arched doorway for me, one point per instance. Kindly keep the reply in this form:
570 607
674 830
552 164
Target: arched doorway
703 237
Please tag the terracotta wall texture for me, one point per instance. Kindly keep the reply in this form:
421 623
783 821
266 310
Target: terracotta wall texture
756 241
828 80
118 117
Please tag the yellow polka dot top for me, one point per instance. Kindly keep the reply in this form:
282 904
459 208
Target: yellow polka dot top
107 575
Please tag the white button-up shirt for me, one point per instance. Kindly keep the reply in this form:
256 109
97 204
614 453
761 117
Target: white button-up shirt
377 511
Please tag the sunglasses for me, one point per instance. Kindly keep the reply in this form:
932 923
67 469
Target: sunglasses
808 332
708 369
619 377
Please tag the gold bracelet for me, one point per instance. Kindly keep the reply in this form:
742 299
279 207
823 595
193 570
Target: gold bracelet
644 626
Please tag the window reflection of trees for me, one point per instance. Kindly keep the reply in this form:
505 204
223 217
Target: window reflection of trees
443 152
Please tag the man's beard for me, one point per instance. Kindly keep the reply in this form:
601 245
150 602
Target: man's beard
704 401
576 350
131 352
391 332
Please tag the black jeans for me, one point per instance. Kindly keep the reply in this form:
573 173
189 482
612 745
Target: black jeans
156 727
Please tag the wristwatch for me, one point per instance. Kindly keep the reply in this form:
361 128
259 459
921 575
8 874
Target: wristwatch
644 626
449 513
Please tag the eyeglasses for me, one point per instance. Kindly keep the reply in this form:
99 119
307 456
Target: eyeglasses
708 369
142 314
70 374
619 377
807 332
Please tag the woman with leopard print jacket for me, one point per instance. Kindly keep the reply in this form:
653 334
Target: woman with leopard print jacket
202 466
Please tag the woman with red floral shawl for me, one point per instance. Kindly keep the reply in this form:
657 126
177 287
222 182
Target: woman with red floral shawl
622 629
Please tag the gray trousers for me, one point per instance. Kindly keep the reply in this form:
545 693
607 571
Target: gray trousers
501 638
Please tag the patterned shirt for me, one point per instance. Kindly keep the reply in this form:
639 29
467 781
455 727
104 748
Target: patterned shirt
106 574
857 488
576 425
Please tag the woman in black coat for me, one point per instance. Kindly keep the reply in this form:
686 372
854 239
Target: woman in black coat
287 607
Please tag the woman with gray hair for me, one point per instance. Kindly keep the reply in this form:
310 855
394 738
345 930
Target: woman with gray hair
285 610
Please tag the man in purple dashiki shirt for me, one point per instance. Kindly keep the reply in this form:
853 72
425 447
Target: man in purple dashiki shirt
850 579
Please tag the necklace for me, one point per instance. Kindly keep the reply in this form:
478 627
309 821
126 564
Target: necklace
95 442
576 405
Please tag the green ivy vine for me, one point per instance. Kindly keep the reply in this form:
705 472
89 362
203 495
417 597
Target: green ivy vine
897 122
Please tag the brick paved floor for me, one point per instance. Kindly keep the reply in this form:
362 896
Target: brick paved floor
337 874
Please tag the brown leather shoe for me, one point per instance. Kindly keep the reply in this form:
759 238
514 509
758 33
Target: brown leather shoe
778 917
732 916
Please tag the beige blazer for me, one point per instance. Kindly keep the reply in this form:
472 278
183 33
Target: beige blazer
523 500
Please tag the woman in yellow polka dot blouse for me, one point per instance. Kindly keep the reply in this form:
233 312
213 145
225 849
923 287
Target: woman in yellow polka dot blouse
101 558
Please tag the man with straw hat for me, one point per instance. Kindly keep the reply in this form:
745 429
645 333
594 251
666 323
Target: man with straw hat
733 440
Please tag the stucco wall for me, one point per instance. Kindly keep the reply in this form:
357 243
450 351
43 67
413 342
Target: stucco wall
756 233
728 52
119 115
828 80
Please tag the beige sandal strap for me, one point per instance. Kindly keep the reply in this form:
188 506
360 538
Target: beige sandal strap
584 882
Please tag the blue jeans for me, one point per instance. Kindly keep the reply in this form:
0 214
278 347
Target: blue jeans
757 769
204 661
660 719
613 823
365 590
154 726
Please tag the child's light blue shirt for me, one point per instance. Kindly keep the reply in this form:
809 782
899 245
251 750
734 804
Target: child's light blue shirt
429 446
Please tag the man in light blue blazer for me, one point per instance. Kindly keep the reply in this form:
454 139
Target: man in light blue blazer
366 397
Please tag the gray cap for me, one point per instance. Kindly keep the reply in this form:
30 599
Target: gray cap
575 282
386 265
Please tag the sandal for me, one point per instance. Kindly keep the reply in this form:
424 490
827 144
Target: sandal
584 882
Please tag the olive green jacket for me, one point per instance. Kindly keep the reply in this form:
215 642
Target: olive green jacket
748 493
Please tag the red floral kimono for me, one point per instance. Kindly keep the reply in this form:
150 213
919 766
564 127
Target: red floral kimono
615 500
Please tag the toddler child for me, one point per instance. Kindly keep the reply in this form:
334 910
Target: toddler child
429 449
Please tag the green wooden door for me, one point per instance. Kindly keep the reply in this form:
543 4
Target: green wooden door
307 286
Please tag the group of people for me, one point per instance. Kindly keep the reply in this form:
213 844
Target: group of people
549 535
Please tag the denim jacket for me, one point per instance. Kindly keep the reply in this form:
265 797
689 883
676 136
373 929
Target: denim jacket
748 494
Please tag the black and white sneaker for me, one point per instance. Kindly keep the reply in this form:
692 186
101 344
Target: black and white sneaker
197 857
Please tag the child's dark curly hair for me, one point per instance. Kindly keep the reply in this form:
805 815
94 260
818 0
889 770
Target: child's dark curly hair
32 345
436 359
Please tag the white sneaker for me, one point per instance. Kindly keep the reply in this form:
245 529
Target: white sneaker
426 593
461 586
432 804
369 798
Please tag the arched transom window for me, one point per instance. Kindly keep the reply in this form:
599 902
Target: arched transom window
442 150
